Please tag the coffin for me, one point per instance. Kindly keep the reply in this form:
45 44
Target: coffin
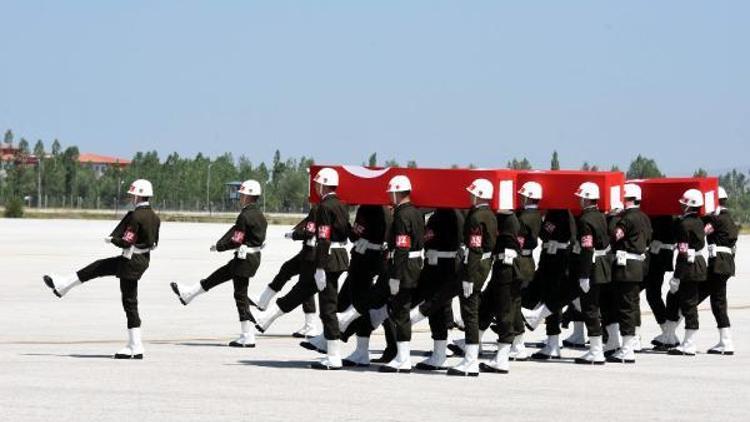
559 187
661 196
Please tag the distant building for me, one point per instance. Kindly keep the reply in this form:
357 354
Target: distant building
9 154
100 163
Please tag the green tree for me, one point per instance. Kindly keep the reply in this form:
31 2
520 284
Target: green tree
701 172
643 168
411 164
516 164
8 138
555 164
373 160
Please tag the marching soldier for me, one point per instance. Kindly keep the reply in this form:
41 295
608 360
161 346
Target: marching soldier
442 243
557 235
137 235
246 239
690 268
661 261
608 293
502 297
321 268
367 262
304 231
721 233
591 266
405 244
632 235
480 234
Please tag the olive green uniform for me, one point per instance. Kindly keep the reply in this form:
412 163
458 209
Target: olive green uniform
442 242
502 297
591 261
632 236
331 225
137 234
249 230
405 244
480 237
557 235
721 235
690 267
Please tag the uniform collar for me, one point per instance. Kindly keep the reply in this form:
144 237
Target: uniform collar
632 206
720 209
404 205
249 206
531 207
142 204
477 206
328 195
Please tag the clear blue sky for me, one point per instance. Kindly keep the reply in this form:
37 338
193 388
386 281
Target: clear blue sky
440 82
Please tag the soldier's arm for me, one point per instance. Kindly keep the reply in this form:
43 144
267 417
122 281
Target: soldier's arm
475 240
234 237
324 220
357 230
258 227
586 240
403 236
682 238
129 236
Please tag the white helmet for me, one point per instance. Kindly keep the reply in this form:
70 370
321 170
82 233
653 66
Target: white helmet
399 184
723 193
141 187
250 187
327 177
633 191
588 190
692 198
481 188
531 190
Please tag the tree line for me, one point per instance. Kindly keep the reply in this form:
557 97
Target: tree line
199 183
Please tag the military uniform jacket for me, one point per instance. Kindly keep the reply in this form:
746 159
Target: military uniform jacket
632 235
479 236
332 224
558 226
528 239
592 236
691 239
248 230
444 233
721 231
370 224
406 235
662 259
509 230
140 229
305 231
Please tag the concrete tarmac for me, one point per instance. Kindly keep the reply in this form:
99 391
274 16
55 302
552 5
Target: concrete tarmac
55 354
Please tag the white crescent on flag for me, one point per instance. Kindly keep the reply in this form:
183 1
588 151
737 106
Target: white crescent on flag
365 173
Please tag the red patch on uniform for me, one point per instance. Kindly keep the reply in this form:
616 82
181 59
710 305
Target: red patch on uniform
619 233
709 228
403 241
587 241
324 232
683 247
238 237
129 236
521 240
310 227
549 227
475 241
429 235
358 228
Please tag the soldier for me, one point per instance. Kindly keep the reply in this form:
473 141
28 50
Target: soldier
632 235
321 268
367 262
591 266
246 239
137 235
480 234
557 235
661 261
443 239
608 293
304 231
690 267
502 297
722 244
405 244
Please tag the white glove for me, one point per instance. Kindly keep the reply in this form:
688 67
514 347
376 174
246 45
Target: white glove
468 288
394 285
108 240
242 252
320 279
127 253
674 285
212 248
585 284
288 235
